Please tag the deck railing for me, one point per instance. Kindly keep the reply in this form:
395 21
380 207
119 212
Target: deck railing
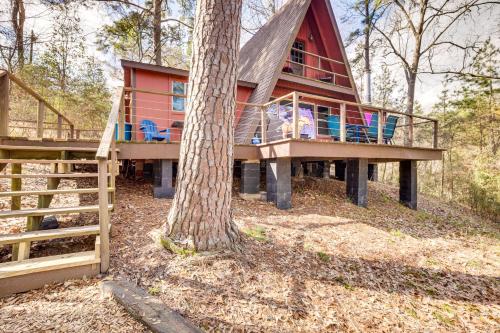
296 112
45 121
317 67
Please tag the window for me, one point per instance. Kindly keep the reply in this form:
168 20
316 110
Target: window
296 55
323 113
178 103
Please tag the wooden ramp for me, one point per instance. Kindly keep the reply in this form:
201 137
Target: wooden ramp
25 272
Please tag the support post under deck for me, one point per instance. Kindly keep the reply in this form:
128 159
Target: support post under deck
250 177
408 183
340 170
163 179
357 181
279 182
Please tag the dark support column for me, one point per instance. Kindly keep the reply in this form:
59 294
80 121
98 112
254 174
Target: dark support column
340 170
250 177
162 170
373 172
408 183
318 169
279 182
326 170
357 181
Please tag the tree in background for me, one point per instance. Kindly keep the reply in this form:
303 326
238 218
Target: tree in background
141 31
368 12
258 12
12 39
200 217
416 30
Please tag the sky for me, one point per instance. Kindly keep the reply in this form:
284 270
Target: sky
428 87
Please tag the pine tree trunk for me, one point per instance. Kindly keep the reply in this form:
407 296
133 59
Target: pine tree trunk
157 31
200 216
18 18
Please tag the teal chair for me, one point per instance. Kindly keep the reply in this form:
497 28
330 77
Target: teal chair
389 128
372 131
334 126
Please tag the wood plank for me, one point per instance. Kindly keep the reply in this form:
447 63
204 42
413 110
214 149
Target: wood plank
51 175
50 211
107 136
39 235
45 161
103 215
39 147
4 105
24 251
15 185
44 264
342 122
54 192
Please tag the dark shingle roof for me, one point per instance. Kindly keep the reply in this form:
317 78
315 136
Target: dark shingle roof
263 56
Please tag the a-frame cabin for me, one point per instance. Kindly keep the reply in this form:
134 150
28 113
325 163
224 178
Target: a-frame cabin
298 111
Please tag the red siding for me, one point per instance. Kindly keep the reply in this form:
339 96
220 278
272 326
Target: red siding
158 108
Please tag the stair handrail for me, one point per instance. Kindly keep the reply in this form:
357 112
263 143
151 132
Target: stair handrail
107 146
42 103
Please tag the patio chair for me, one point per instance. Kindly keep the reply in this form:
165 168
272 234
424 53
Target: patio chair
151 132
372 131
333 122
390 128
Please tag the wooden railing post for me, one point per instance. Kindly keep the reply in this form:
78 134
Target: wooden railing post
114 161
316 121
410 131
4 103
39 119
436 129
296 134
121 119
103 214
342 122
71 131
380 128
263 121
59 126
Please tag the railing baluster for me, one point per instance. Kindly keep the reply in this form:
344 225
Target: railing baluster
342 122
4 103
59 126
40 118
436 129
380 128
296 134
263 121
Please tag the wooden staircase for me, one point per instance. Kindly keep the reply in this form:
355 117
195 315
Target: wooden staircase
25 273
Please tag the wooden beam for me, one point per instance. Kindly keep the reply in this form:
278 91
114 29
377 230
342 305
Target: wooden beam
50 211
103 214
50 175
380 128
4 104
24 251
54 192
33 236
59 127
342 122
263 122
16 184
33 222
40 118
296 116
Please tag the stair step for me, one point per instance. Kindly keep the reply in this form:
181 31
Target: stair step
51 175
39 235
50 211
34 161
53 192
47 148
17 268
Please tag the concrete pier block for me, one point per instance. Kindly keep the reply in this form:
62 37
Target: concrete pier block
279 182
357 181
408 183
250 177
163 188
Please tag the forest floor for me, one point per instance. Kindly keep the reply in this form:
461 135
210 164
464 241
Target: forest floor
323 266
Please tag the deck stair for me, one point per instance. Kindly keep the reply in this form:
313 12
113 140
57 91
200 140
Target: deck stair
23 272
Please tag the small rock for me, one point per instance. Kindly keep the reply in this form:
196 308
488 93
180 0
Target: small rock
49 222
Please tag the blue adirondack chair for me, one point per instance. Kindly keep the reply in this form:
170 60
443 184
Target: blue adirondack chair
151 132
390 128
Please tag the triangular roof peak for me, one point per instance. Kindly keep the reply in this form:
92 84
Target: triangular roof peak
263 56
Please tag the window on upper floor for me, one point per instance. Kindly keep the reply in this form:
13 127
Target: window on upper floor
179 103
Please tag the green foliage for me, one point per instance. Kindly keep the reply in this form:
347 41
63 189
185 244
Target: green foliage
256 232
169 245
323 256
